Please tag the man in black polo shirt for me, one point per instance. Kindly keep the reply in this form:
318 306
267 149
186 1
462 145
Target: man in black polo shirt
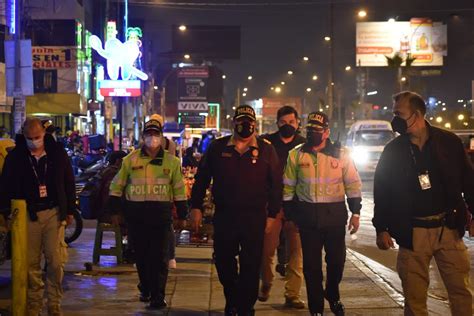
284 234
38 171
247 190
422 184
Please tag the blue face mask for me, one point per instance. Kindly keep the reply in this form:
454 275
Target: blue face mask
34 144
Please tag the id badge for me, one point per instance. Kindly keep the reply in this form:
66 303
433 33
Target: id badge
424 181
43 192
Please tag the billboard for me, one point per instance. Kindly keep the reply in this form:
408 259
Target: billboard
192 89
54 57
270 106
420 38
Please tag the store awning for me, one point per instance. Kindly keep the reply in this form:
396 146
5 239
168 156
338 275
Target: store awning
55 103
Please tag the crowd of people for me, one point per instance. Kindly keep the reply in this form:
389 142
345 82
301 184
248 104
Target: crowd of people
280 192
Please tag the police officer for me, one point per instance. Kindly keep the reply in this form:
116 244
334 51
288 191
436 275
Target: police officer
151 179
319 175
284 231
247 194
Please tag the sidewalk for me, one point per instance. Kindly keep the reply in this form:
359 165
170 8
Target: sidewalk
194 289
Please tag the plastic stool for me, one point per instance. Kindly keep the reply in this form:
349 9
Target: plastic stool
114 251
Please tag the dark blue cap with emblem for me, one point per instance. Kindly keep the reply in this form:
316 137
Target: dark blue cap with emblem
317 120
245 111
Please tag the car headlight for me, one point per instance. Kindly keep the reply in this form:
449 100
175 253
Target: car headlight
360 156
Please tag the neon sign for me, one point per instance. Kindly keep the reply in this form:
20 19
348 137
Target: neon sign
120 57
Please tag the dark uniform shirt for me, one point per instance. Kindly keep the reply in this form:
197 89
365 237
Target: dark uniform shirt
282 149
241 183
426 202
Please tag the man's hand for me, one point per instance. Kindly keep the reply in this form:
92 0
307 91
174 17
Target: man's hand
115 220
181 224
354 224
196 218
384 241
69 219
270 223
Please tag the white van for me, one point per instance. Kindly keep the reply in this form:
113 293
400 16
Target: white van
366 139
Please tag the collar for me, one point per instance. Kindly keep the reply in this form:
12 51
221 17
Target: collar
331 149
253 143
160 155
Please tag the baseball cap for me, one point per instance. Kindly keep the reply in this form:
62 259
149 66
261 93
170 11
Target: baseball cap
317 120
152 125
157 117
245 111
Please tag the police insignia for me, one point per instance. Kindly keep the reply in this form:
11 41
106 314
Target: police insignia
334 163
255 153
166 172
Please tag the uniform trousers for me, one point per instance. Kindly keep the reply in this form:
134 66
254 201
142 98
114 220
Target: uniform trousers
452 259
151 245
313 240
239 234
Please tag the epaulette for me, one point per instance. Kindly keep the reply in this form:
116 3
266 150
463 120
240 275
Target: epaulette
266 141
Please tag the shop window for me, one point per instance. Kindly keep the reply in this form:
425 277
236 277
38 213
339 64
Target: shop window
45 80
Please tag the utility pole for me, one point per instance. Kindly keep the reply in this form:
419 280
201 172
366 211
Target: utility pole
330 90
19 110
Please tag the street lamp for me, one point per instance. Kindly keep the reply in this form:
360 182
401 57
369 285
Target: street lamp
461 117
249 77
348 68
447 125
155 87
443 109
282 83
403 79
439 119
327 38
246 89
290 72
308 89
182 28
305 58
244 94
277 89
224 76
315 77
362 14
187 56
272 88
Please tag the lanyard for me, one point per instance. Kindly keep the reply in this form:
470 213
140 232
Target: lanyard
34 170
413 156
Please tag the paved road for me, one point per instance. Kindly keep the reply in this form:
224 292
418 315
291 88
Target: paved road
365 244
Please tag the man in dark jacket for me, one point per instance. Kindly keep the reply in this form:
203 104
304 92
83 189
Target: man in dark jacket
422 184
284 233
247 194
38 171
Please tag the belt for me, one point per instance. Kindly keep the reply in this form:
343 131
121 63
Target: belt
434 221
38 207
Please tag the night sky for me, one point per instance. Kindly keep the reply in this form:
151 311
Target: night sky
274 39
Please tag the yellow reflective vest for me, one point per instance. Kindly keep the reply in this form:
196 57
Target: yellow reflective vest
321 177
143 179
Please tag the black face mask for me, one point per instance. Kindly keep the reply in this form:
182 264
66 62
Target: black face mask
400 125
244 129
313 138
287 131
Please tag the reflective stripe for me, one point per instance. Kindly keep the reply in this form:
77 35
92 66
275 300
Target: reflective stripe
180 198
178 185
288 197
355 194
322 180
321 199
289 181
149 181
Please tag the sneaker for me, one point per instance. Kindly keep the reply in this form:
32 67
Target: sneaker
336 306
157 304
172 264
296 303
264 293
281 269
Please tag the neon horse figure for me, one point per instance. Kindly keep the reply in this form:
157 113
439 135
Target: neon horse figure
120 56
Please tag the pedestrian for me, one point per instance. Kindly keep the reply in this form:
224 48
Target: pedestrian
247 195
284 232
419 185
318 177
38 170
152 181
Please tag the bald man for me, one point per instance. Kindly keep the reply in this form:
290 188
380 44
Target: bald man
38 171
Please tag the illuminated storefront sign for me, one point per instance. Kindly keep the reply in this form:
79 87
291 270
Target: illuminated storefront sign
120 88
53 57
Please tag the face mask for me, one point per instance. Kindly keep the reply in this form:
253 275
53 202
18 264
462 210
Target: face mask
287 131
314 138
34 144
400 125
152 142
244 129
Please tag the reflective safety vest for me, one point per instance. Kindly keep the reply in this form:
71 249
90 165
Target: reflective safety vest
320 177
144 179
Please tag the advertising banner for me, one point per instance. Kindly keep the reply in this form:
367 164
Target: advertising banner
419 38
54 57
192 89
